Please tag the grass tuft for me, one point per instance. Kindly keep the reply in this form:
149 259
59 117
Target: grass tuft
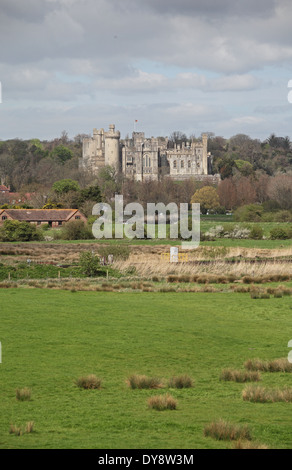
143 382
23 394
223 431
162 402
243 444
90 382
239 376
181 381
276 365
258 394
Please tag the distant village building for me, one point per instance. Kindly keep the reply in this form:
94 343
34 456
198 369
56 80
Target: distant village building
53 217
142 158
9 197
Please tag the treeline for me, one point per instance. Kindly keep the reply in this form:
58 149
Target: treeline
29 165
252 172
243 155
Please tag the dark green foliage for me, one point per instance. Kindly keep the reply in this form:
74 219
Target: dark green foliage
65 185
13 230
249 213
62 153
91 193
37 271
256 232
89 264
278 233
76 230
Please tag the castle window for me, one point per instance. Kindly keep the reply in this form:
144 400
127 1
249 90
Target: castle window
182 164
189 164
174 164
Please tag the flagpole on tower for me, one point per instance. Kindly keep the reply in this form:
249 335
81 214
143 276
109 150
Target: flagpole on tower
135 125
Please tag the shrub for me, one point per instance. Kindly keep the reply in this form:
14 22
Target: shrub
76 230
90 382
14 231
240 376
23 394
223 431
239 232
89 263
249 213
162 402
143 382
256 232
278 233
283 216
181 381
215 232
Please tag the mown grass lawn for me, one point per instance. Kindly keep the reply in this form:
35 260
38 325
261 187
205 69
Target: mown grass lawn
50 338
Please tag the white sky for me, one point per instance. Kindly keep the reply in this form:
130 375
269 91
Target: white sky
221 66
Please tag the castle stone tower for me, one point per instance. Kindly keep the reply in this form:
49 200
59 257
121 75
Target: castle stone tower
205 153
112 147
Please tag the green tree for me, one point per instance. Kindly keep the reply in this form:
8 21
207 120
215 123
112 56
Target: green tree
76 230
91 193
89 263
62 153
65 185
208 199
14 230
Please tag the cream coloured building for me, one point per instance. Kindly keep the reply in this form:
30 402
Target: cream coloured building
143 158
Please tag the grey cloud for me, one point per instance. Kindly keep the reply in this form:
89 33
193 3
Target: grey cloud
30 10
209 8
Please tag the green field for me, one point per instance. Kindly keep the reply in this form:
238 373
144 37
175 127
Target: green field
50 338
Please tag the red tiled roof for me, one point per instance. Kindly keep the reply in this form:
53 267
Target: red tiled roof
31 215
3 188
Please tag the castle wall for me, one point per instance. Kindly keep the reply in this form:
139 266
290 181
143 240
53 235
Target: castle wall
142 157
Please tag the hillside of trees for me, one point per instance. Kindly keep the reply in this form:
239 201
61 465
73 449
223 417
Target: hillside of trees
251 172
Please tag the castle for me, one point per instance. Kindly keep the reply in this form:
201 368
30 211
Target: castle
143 158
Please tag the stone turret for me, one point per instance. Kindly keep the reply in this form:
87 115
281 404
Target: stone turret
205 153
112 147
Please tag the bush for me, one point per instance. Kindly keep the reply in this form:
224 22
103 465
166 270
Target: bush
240 232
249 213
76 230
89 263
256 232
278 233
283 216
15 231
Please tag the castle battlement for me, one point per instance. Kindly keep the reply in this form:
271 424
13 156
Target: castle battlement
143 158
